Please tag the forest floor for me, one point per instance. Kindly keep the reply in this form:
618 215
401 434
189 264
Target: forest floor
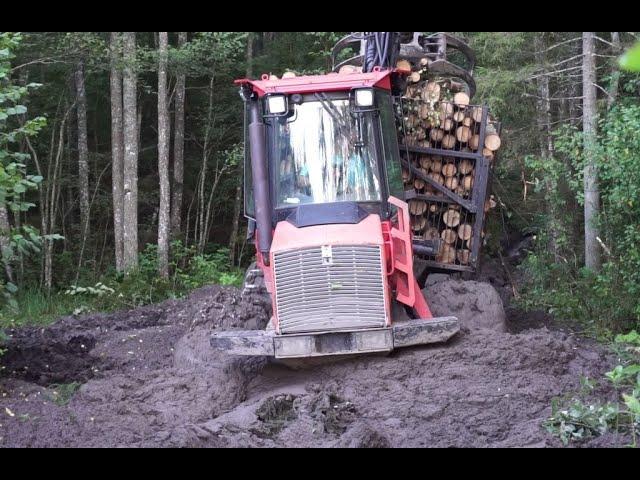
147 377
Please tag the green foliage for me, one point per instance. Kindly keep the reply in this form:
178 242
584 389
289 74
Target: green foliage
3 340
15 182
141 287
580 419
208 268
610 299
62 393
320 50
98 290
631 59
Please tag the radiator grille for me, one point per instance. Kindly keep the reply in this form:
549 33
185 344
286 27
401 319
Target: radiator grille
343 291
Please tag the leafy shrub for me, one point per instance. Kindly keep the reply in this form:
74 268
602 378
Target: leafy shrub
579 419
609 299
117 291
3 340
98 290
14 179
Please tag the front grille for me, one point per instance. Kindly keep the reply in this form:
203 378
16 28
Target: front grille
344 290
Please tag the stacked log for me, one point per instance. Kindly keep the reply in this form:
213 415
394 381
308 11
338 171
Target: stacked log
438 115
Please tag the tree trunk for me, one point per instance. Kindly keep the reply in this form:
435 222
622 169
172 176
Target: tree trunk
547 145
83 150
615 74
130 230
117 153
5 231
54 174
237 205
199 235
163 159
589 126
178 148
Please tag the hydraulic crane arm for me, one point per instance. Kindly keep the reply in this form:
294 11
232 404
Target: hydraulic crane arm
384 49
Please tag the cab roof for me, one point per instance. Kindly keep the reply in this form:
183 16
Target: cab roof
330 82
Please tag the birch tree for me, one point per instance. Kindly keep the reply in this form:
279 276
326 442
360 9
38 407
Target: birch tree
163 158
117 151
130 169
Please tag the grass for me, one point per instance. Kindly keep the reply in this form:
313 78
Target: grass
38 308
118 292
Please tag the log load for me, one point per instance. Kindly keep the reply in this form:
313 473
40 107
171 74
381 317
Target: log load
465 167
418 223
451 218
463 134
438 114
463 255
449 169
465 231
417 207
449 236
461 99
446 253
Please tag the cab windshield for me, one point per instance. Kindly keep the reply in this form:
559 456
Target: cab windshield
325 154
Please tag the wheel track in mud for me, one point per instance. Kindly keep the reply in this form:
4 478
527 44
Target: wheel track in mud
150 379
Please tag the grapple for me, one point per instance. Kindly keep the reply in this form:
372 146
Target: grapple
448 55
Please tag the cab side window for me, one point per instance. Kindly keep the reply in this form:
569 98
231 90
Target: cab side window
390 144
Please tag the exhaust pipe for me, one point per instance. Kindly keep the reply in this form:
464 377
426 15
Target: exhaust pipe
260 177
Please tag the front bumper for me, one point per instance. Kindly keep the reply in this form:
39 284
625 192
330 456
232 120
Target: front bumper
317 344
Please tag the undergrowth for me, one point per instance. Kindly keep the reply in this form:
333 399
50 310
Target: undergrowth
576 418
115 291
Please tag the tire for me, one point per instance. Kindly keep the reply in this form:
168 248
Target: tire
255 288
477 305
253 281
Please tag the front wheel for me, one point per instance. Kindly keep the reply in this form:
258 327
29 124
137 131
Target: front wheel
254 287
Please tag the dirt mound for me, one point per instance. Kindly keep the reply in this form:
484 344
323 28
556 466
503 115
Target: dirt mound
149 378
475 304
132 366
226 309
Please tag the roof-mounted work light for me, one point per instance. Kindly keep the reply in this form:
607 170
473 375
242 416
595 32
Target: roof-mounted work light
362 100
277 105
364 97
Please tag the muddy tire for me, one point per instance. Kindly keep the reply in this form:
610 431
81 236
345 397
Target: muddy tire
254 281
477 305
254 288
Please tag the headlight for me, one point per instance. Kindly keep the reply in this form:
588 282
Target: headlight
364 97
277 104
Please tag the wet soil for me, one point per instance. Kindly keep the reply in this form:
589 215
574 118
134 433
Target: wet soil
147 377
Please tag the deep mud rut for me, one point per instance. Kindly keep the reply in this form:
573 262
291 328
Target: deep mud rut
147 377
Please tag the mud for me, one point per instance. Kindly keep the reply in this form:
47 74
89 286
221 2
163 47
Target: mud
476 305
149 378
